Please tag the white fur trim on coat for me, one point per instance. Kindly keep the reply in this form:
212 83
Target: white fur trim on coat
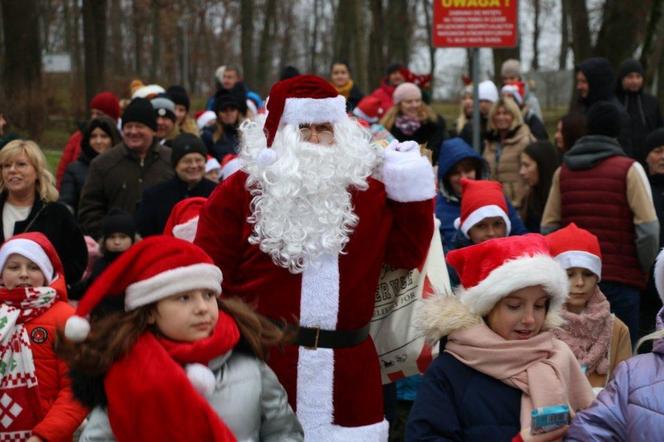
408 177
514 275
172 282
579 258
479 214
314 110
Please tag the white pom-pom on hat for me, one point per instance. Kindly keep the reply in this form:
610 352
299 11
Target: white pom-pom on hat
77 329
202 378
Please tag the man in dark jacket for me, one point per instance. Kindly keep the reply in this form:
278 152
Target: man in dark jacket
188 158
601 190
595 82
643 108
118 176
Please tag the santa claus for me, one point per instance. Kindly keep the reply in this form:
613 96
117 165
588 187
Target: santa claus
302 231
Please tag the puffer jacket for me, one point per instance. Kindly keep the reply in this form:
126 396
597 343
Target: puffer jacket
247 396
62 413
631 407
503 158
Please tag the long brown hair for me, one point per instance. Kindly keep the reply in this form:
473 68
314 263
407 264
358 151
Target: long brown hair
113 335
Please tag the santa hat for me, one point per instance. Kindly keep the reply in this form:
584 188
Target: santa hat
204 117
151 270
517 90
493 269
183 220
230 164
36 247
212 164
481 199
369 109
575 247
149 91
305 99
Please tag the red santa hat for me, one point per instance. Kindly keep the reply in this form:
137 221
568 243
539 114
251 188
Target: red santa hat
305 99
203 118
151 270
575 247
369 109
516 89
212 164
183 220
37 248
493 269
481 199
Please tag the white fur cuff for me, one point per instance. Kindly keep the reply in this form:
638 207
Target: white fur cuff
408 178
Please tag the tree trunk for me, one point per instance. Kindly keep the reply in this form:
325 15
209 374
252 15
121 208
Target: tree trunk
622 24
399 31
156 40
137 22
247 39
564 35
536 35
314 40
578 15
22 70
94 40
427 7
115 25
652 41
264 62
359 59
376 44
287 22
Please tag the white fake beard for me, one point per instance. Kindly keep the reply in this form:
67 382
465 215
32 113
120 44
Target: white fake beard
301 206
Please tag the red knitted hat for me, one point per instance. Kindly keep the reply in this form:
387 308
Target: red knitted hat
575 247
493 269
108 103
37 248
150 270
481 199
183 220
305 99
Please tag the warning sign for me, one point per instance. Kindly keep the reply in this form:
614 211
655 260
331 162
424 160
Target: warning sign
475 23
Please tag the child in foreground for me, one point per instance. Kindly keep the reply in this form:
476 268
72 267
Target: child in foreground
37 402
175 363
500 359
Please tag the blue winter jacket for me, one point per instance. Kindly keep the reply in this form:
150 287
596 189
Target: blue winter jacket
631 407
457 403
448 205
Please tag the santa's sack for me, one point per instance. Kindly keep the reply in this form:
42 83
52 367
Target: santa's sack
401 347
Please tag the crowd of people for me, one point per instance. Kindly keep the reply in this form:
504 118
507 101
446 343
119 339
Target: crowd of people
212 275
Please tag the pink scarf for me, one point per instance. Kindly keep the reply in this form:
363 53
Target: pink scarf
542 367
589 334
21 408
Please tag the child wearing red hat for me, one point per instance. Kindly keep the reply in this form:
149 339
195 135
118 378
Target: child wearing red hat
501 359
35 395
169 364
599 340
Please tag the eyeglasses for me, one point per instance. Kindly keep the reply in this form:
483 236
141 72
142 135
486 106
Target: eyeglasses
323 133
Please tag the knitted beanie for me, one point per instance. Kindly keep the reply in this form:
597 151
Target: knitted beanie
141 111
186 143
108 103
406 91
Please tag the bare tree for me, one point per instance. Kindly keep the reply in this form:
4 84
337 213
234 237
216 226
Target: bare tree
536 34
621 30
115 27
94 43
398 28
564 34
22 70
377 62
247 24
578 14
264 62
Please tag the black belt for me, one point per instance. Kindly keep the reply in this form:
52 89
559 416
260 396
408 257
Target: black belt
315 337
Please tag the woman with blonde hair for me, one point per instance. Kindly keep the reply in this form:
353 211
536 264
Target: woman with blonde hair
412 119
28 202
508 136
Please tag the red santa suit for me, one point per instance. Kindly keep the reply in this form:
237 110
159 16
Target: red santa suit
336 392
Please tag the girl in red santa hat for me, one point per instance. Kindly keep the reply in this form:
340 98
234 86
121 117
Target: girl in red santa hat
36 402
175 363
598 338
501 360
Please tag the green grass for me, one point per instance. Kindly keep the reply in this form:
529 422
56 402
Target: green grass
52 158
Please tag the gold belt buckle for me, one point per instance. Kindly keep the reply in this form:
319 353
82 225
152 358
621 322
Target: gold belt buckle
315 346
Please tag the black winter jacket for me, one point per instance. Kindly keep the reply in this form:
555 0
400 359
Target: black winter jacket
58 224
457 403
158 201
432 133
73 181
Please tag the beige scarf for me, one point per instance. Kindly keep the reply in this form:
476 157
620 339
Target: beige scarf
542 367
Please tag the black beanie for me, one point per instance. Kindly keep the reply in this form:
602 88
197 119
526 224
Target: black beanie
140 110
231 99
118 221
179 95
604 119
654 140
184 144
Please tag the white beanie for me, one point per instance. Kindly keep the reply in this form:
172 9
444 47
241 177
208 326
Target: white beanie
488 91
